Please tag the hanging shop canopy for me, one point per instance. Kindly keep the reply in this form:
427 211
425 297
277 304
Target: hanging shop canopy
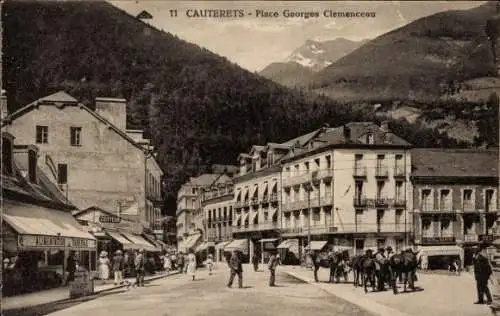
317 245
238 244
39 227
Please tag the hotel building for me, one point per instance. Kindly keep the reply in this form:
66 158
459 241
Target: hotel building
455 202
348 187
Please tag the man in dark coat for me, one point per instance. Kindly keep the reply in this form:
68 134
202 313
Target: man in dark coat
236 269
255 261
273 263
482 273
315 262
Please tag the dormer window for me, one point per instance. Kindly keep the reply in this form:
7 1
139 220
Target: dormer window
254 164
32 159
7 156
270 158
369 138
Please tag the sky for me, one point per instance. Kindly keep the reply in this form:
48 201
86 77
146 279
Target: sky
254 42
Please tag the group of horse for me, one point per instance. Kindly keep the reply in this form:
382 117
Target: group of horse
367 269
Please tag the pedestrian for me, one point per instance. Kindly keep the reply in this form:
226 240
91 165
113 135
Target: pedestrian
315 260
70 267
255 262
180 260
103 266
236 269
482 273
118 266
210 263
273 263
191 264
167 264
139 265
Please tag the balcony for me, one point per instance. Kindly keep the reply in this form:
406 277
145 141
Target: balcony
255 202
438 240
468 206
398 202
369 228
359 172
296 205
297 179
257 227
238 204
326 200
445 207
291 231
246 203
265 200
382 202
381 172
274 198
360 202
325 175
399 172
427 206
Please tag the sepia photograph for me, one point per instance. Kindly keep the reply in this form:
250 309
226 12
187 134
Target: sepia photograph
236 158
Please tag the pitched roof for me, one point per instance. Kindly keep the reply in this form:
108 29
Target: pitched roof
92 208
144 15
61 95
207 179
434 162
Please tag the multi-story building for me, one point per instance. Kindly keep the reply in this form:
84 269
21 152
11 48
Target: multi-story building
91 155
217 204
348 187
190 216
257 196
455 201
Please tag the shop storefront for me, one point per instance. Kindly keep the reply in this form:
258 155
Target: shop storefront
38 245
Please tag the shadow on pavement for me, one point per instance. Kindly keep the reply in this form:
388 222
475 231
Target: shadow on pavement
47 308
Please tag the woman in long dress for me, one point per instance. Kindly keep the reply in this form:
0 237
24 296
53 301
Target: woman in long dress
191 264
103 266
167 263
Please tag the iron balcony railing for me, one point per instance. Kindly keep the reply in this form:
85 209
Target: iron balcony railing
359 171
382 172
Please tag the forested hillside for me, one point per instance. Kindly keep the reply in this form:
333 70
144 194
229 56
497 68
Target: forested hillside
198 107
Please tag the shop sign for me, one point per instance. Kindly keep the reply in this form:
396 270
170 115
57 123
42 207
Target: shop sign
82 285
81 243
40 241
109 219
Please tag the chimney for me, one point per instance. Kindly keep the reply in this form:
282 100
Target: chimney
114 110
3 104
26 157
347 134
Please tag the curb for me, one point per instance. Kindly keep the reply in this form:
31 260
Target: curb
88 297
365 303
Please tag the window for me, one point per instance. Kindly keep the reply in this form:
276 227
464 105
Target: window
42 134
62 173
369 138
399 191
6 156
467 199
328 162
317 161
398 219
76 136
306 164
32 157
380 189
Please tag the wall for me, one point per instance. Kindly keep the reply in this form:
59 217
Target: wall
220 228
105 169
344 185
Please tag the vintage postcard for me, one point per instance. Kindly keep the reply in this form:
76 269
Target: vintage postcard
250 158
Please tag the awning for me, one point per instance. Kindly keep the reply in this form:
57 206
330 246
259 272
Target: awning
34 223
238 244
431 251
223 244
268 240
138 240
204 245
191 241
252 218
318 245
285 244
244 217
127 244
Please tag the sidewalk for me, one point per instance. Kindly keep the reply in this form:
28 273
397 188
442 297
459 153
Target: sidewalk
440 295
62 293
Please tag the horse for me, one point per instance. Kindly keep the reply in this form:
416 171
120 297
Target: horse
404 264
338 266
356 264
368 266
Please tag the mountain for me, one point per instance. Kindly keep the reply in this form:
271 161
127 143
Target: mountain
414 61
310 57
198 108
